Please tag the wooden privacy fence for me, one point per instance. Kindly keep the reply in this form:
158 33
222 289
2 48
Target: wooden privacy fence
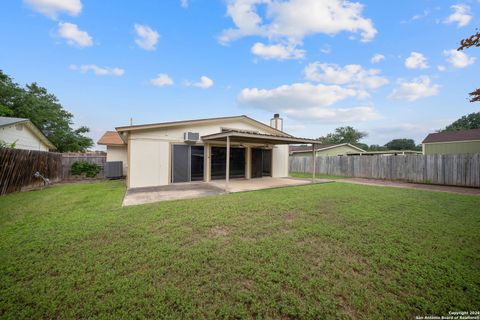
455 170
70 158
17 168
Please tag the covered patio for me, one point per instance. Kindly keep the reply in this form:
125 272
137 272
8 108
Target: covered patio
248 138
225 182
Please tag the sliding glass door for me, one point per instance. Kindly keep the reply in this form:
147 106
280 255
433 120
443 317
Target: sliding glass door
219 162
261 163
187 163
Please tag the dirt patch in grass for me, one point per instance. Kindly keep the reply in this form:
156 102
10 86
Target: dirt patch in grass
290 216
219 232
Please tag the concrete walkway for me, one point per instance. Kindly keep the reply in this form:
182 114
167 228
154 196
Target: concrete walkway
407 185
189 190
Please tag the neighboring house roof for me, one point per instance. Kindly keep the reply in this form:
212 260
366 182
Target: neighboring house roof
8 121
385 152
111 138
321 147
465 135
5 121
200 121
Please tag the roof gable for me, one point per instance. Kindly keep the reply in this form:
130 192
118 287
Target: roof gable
111 138
320 147
464 135
245 118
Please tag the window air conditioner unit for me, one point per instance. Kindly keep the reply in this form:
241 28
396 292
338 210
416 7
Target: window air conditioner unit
191 136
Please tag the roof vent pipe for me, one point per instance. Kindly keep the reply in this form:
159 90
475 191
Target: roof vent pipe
276 122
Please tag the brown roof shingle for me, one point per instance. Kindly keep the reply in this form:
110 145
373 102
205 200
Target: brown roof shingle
111 138
465 135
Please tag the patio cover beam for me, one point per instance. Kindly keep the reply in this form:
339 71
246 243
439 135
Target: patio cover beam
243 137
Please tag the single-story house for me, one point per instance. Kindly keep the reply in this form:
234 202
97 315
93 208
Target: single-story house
201 150
323 150
455 142
116 148
23 134
385 153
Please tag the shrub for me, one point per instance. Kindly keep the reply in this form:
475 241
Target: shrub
90 169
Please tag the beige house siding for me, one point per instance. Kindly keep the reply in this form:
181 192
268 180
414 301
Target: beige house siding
459 147
150 151
280 161
335 151
23 137
118 153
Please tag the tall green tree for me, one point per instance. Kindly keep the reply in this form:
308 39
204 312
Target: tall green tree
401 144
45 111
344 135
470 121
472 41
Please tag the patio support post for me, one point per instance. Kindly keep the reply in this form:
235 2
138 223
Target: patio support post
227 173
207 162
313 158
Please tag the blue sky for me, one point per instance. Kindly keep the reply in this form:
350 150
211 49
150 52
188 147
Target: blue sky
312 61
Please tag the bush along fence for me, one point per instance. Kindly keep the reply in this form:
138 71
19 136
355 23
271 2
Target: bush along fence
81 165
454 170
18 168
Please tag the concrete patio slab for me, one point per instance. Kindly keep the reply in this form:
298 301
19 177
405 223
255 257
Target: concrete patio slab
242 185
179 191
175 191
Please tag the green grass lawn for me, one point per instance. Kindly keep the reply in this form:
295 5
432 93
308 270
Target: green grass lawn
319 251
317 176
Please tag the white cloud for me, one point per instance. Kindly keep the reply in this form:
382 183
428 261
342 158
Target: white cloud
147 38
162 80
73 35
184 3
420 87
458 59
422 15
308 101
377 57
292 95
294 19
99 71
277 51
337 115
351 74
461 15
204 83
416 60
51 8
326 49
441 68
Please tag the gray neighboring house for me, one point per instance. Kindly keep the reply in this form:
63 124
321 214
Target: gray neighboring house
23 134
323 150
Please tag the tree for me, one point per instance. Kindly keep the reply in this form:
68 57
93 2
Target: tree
470 121
401 144
472 41
343 135
376 147
45 111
